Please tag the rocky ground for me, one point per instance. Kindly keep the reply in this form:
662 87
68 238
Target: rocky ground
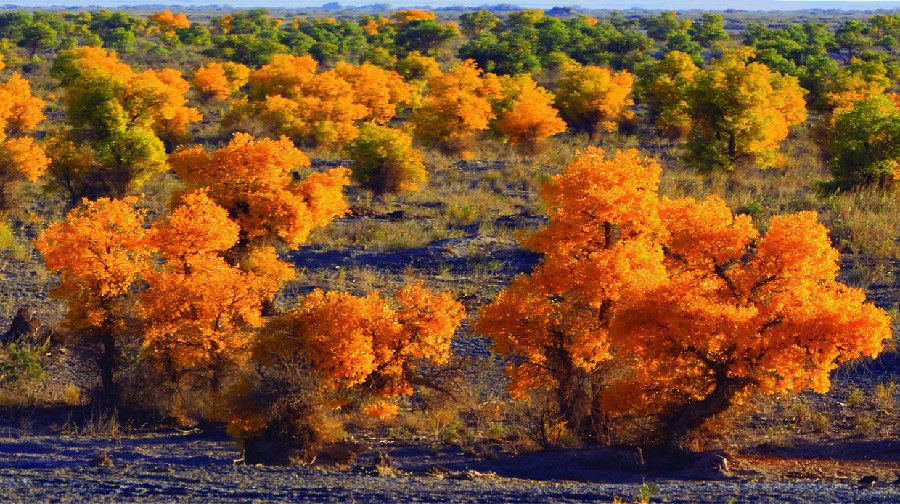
175 466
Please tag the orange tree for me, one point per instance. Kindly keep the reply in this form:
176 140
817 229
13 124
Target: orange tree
320 108
194 284
524 114
671 310
252 180
220 80
21 158
99 252
334 348
600 242
197 311
455 107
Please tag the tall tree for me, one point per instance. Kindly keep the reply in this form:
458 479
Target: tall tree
673 310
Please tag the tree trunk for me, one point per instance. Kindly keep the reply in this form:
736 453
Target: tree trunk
732 147
108 367
694 414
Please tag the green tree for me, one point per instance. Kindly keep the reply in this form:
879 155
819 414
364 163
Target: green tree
116 115
423 35
473 23
863 143
38 36
740 110
709 30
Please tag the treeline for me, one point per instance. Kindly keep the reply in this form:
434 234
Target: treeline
593 74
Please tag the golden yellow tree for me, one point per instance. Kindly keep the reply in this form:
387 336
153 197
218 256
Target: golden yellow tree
741 110
859 81
525 114
663 88
594 99
455 107
671 310
99 252
167 22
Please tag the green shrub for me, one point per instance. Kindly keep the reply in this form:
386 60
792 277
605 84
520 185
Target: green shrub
19 366
385 161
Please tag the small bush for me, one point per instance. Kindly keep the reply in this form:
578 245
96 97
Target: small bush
20 367
385 161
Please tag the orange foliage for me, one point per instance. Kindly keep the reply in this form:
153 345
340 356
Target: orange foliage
99 252
349 340
405 16
724 324
220 80
168 22
24 155
20 111
322 108
252 180
371 27
380 91
525 114
21 158
197 310
174 118
456 106
284 76
675 308
600 242
381 409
